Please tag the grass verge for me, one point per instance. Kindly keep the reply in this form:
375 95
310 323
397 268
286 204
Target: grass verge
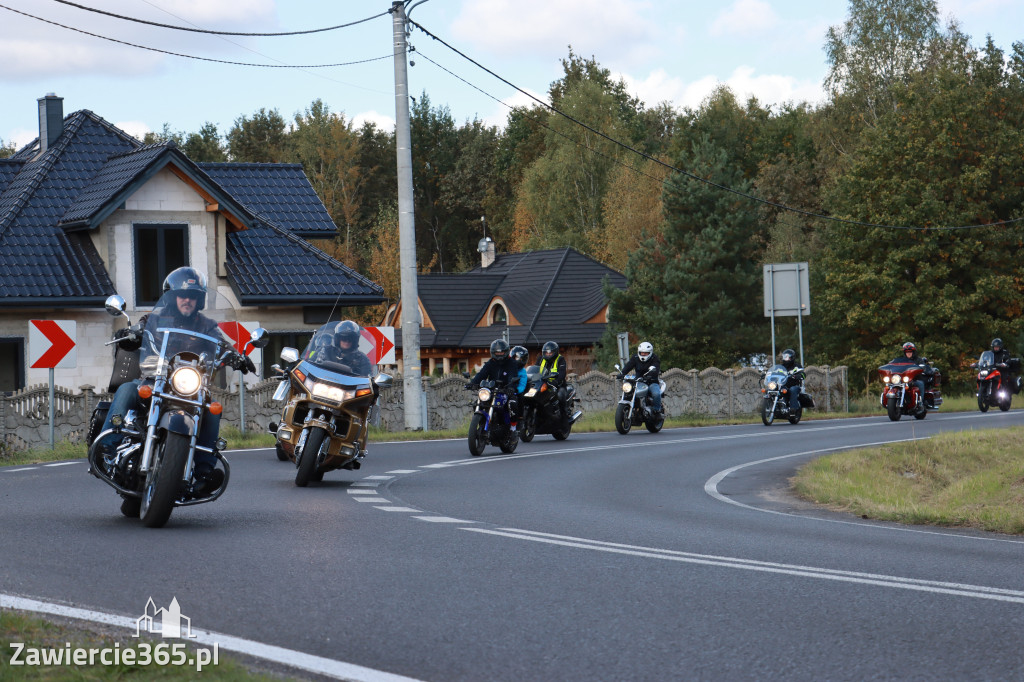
970 479
62 637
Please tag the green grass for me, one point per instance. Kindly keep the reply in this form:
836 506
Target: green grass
39 633
969 478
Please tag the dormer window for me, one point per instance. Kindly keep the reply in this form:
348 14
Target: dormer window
159 249
498 315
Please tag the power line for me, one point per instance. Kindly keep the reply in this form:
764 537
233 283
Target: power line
218 33
188 56
804 212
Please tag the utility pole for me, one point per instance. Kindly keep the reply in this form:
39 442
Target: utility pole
411 369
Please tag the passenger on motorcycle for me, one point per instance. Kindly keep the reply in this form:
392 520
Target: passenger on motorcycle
648 367
551 360
503 370
188 287
910 354
1002 357
521 356
796 377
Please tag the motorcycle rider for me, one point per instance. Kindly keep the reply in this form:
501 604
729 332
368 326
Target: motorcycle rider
553 361
795 380
910 355
504 371
1002 358
346 349
181 311
648 367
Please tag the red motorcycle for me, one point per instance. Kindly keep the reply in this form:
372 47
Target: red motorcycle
899 394
995 385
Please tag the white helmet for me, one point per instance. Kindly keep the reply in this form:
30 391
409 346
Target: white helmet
644 351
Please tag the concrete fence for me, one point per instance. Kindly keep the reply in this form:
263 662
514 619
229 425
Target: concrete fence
24 416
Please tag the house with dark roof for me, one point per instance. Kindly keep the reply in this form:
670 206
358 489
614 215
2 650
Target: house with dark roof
528 298
87 211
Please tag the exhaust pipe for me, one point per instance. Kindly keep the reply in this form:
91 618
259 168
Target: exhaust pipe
576 415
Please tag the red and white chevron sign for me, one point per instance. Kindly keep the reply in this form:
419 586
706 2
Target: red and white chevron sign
240 333
51 344
379 344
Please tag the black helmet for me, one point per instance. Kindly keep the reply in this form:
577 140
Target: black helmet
997 345
788 355
520 355
549 350
499 349
347 331
187 282
909 346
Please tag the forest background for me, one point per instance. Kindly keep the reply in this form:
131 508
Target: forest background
888 189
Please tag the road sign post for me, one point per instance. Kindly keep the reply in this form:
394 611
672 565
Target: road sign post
51 345
787 292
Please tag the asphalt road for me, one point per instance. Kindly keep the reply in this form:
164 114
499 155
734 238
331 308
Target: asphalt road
665 556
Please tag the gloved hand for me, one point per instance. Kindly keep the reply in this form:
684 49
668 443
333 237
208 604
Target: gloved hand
241 363
472 386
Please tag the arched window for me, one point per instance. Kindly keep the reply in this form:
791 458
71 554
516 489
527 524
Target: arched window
498 315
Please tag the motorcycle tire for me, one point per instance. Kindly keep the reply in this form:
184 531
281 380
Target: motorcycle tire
655 423
131 506
1004 406
281 454
509 445
982 403
893 408
477 435
164 480
794 417
767 413
921 413
529 425
622 421
308 457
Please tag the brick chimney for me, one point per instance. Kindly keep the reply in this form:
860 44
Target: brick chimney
486 248
51 120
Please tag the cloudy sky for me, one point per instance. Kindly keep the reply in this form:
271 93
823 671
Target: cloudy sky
665 50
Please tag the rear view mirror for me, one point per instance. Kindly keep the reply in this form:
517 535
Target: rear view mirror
289 354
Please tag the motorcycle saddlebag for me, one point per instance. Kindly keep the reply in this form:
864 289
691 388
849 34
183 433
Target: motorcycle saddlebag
99 415
806 401
126 368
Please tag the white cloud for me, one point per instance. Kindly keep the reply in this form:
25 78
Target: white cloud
20 137
745 18
499 117
383 121
136 129
659 87
545 28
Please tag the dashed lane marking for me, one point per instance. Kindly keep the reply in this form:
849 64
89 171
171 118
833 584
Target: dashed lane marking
397 509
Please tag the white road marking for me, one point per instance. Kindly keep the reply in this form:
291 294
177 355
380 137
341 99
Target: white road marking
61 464
374 500
376 478
360 484
441 519
932 586
402 471
295 659
362 492
397 509
11 471
711 488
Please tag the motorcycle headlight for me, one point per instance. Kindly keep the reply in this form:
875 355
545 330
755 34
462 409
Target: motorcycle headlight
532 392
484 395
627 387
331 392
772 385
906 379
186 381
983 373
895 378
885 379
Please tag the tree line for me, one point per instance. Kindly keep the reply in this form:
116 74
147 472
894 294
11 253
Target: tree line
920 128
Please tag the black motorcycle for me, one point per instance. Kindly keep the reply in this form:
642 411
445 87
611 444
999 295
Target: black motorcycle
636 406
541 410
492 420
776 383
152 464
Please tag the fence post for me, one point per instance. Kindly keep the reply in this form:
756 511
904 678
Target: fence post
828 389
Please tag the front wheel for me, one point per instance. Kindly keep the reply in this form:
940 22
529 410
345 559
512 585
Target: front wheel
477 435
892 406
767 411
794 415
164 480
622 420
308 457
982 401
529 425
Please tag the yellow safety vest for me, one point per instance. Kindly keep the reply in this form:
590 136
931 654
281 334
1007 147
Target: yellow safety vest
554 364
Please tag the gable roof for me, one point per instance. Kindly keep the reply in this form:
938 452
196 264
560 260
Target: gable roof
292 201
86 174
551 292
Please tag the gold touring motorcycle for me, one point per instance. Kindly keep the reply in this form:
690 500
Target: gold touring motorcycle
324 424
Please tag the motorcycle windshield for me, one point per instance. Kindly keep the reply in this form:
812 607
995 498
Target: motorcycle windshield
323 351
185 324
987 360
777 373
